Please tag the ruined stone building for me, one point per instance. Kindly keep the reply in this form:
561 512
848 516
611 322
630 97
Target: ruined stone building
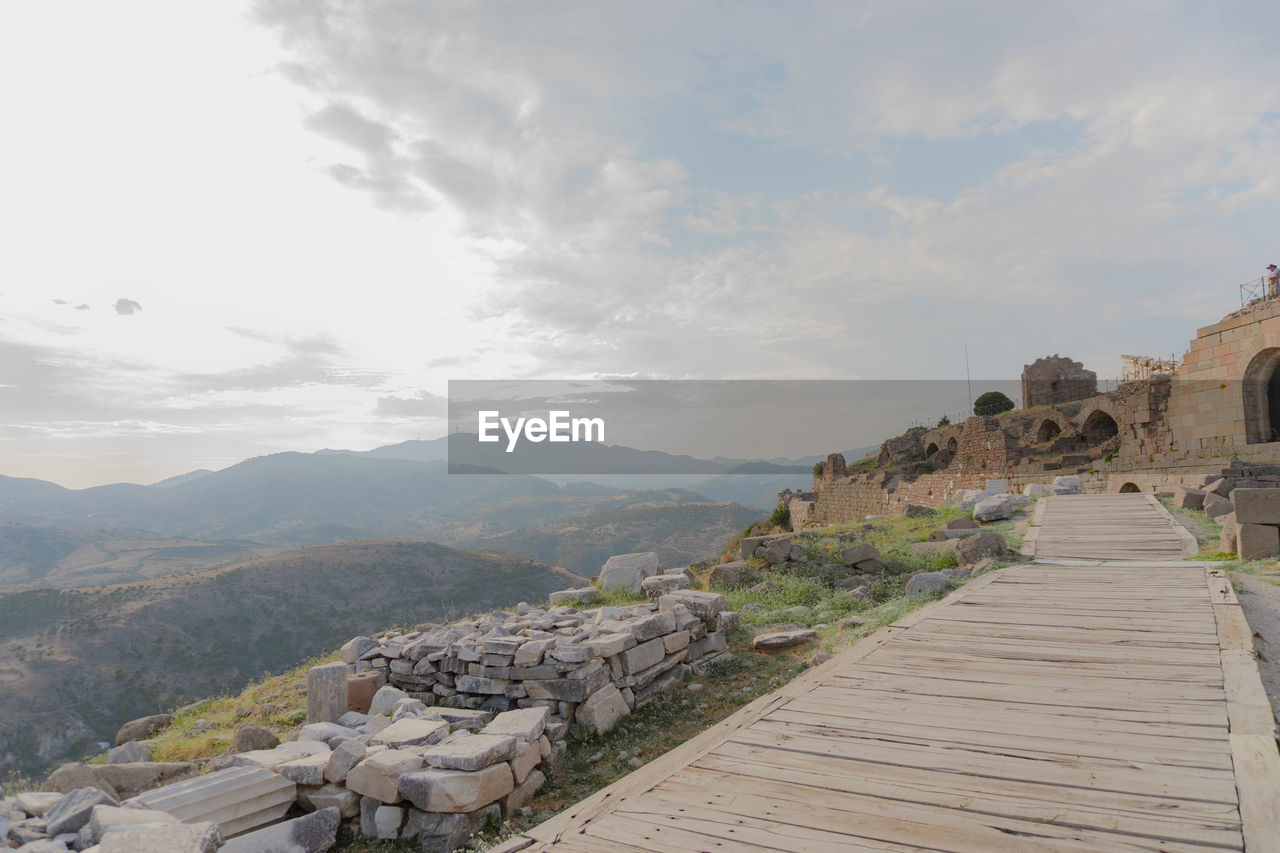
1051 380
1167 424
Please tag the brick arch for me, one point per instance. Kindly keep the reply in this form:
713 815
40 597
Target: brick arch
940 438
1093 406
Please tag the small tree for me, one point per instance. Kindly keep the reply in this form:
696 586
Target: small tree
991 403
944 421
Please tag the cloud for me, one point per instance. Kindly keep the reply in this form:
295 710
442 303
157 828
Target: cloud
125 307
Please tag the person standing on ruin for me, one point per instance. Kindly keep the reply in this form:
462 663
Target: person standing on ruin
1273 281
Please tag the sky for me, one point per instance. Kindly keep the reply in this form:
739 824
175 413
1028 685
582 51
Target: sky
234 229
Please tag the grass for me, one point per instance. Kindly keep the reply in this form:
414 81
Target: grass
1206 530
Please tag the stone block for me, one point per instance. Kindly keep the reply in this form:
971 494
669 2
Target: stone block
456 791
479 684
1186 497
585 595
676 641
330 795
1227 538
1257 541
384 701
642 656
658 585
526 758
326 692
73 810
345 755
980 545
325 733
236 800
778 640
608 645
526 724
352 649
568 689
1217 506
713 642
524 792
1256 506
104 817
777 551
1218 486
628 571
313 833
603 709
409 731
472 753
270 759
386 822
651 626
704 605
856 554
305 771
360 691
36 803
733 573
198 837
378 776
994 508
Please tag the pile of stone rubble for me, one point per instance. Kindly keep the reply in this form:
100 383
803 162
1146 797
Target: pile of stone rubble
422 736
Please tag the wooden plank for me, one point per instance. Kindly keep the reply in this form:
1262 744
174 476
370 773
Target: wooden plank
1258 781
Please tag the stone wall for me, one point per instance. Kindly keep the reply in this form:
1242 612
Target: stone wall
1052 380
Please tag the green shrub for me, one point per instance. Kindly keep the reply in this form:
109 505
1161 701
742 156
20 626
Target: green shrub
781 517
817 469
992 403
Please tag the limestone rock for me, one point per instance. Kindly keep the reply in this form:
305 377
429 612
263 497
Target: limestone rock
725 574
1256 541
1186 497
378 776
250 737
585 595
962 524
927 583
778 640
628 571
143 728
384 701
471 753
858 553
345 755
236 800
1074 484
1216 506
72 812
994 508
453 791
1256 506
36 803
305 771
411 732
777 551
657 585
355 647
704 605
104 816
973 548
330 795
526 724
326 692
131 752
201 837
603 709
1037 490
918 511
1219 486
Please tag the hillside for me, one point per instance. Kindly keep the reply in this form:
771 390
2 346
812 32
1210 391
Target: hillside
76 663
34 557
679 531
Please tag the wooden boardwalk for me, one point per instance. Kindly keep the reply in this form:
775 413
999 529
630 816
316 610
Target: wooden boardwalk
1106 527
1038 708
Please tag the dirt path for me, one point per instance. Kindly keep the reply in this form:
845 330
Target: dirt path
1261 603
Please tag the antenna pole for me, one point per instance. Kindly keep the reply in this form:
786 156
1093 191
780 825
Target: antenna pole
968 381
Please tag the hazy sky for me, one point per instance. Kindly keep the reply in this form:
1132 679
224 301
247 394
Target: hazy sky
237 229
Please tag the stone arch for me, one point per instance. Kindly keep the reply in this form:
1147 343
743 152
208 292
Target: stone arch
1049 430
1260 388
931 450
953 444
1129 487
1098 426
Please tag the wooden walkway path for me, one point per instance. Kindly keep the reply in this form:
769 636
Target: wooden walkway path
1038 708
1106 527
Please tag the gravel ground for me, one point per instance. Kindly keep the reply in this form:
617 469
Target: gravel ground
1260 599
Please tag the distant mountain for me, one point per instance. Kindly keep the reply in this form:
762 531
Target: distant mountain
75 664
